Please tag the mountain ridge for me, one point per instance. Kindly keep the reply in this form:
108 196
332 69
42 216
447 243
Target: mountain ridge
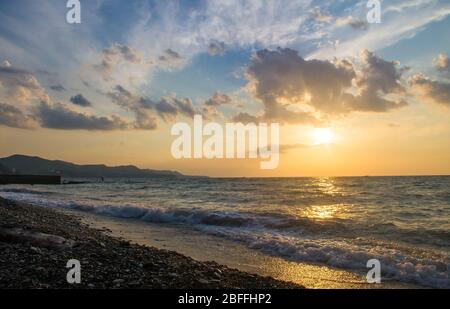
33 165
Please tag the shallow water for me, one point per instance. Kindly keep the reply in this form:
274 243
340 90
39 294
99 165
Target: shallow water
340 222
205 247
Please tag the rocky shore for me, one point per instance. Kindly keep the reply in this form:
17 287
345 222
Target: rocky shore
36 243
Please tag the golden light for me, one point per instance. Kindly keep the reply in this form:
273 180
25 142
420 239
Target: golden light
322 136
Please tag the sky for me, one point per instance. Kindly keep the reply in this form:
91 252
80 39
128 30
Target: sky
351 97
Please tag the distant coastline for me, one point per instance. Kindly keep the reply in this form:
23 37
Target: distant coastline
28 165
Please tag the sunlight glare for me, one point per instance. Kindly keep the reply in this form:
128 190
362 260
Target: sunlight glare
323 136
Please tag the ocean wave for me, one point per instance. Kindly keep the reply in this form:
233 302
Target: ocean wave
190 216
25 191
432 271
297 239
266 220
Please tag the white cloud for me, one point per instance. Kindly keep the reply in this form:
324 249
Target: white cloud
395 26
442 63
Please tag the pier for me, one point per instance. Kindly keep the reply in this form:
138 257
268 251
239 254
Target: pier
30 180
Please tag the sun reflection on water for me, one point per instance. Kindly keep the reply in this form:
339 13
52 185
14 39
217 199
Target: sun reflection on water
338 211
326 186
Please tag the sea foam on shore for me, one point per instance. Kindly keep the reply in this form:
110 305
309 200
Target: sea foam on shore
106 262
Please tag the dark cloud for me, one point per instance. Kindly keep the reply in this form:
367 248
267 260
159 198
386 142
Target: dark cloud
377 79
284 82
246 118
129 54
170 57
58 116
47 73
167 108
11 116
185 106
21 84
211 105
114 55
431 90
80 100
58 88
281 78
145 120
124 98
218 99
141 107
216 48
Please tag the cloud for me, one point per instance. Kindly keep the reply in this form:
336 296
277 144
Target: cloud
281 77
246 118
431 90
58 88
80 100
116 54
141 107
319 17
210 112
123 98
442 63
405 23
168 108
353 22
356 23
170 57
58 116
377 79
283 80
11 116
21 85
218 99
287 147
211 105
216 48
145 120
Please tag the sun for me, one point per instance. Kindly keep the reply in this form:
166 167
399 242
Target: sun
322 136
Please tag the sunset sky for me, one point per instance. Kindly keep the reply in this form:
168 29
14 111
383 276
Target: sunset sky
352 98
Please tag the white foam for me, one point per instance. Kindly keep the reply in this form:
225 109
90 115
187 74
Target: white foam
261 233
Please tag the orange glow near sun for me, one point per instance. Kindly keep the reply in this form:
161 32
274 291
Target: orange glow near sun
322 136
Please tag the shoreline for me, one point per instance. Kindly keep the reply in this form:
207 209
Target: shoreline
36 243
205 247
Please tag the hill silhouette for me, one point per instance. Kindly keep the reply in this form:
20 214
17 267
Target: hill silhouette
27 165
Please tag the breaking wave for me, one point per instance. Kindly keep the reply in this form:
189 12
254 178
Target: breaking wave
333 243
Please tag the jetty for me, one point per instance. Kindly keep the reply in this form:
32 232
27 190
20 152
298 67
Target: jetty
30 180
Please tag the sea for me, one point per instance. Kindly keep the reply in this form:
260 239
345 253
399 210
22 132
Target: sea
340 222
